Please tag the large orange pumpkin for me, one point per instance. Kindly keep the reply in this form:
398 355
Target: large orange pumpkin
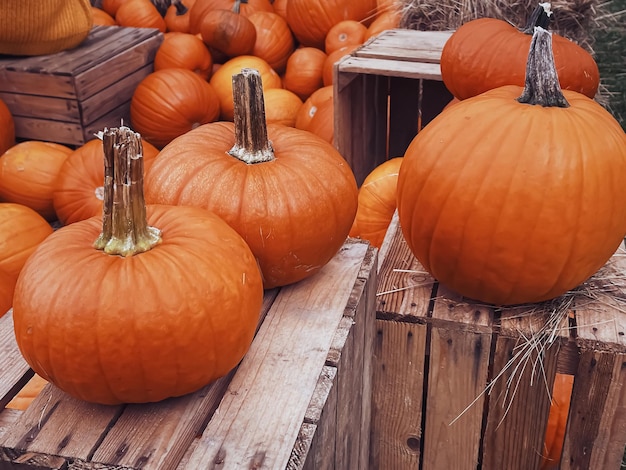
161 306
79 188
516 195
293 200
28 171
169 102
377 202
222 80
21 230
228 32
7 285
486 53
186 51
310 20
7 128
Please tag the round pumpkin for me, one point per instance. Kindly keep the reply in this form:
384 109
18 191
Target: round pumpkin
281 106
486 53
200 7
139 14
21 230
7 128
274 40
328 69
79 188
186 51
310 20
323 121
304 71
28 171
228 32
377 202
344 33
387 19
111 6
102 18
310 106
293 200
164 302
177 16
516 195
222 80
7 286
169 102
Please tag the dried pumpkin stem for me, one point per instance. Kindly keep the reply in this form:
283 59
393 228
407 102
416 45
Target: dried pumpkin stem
251 142
125 229
542 82
541 16
181 9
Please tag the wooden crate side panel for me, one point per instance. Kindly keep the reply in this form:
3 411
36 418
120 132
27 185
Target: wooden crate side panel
596 429
52 131
361 113
114 118
406 45
518 408
404 113
397 399
118 94
260 416
42 107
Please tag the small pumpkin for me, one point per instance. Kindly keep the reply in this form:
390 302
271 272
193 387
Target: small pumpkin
111 6
293 200
377 202
228 32
28 171
177 16
186 51
486 53
310 106
328 69
21 230
139 14
102 18
281 106
7 128
387 19
323 122
79 188
169 102
344 33
222 80
274 40
516 195
200 7
159 301
304 71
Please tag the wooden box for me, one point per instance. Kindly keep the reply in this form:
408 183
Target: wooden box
300 398
385 92
436 353
69 96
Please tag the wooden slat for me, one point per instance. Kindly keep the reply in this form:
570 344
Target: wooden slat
256 422
42 107
405 44
52 131
391 68
14 372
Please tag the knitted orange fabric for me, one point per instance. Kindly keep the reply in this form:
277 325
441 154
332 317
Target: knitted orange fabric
36 27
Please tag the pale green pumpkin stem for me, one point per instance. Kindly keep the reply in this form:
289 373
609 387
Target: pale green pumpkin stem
542 82
251 142
125 229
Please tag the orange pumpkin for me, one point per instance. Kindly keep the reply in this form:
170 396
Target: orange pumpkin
344 33
557 421
323 121
387 19
201 7
102 18
328 69
280 8
274 41
28 171
7 128
21 230
28 393
303 74
310 20
183 50
158 304
228 32
377 202
311 105
293 200
111 6
177 16
139 14
222 80
7 286
79 188
169 102
281 106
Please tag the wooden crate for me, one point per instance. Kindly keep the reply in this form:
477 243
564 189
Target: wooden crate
300 399
435 353
69 96
385 92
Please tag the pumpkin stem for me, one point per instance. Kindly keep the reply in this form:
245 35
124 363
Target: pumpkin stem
181 9
125 229
542 82
541 16
251 142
